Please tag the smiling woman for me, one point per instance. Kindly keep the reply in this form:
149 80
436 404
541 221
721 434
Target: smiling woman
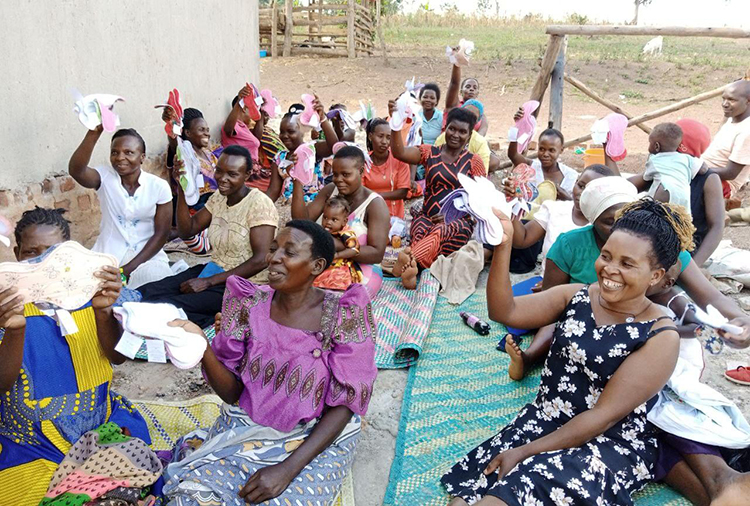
296 366
430 235
240 223
585 439
136 205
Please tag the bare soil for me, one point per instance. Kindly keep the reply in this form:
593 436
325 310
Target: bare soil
503 89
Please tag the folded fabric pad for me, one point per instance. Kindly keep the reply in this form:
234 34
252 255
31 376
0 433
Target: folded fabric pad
477 198
63 276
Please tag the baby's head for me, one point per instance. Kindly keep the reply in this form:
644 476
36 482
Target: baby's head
335 214
667 282
665 138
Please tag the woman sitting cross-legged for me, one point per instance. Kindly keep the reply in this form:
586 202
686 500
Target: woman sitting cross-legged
295 365
430 235
585 439
241 223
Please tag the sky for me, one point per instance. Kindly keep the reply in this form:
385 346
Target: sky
713 13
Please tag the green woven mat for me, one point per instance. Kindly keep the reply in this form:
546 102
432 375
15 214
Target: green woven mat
403 318
457 396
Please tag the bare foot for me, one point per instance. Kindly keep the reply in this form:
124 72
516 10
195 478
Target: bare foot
517 359
402 262
735 493
409 276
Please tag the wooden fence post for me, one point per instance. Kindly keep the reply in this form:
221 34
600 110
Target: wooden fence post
556 88
288 28
550 57
274 28
351 42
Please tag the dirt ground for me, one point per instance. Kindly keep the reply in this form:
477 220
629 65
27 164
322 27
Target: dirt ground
503 89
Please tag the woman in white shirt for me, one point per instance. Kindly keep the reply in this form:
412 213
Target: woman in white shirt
135 205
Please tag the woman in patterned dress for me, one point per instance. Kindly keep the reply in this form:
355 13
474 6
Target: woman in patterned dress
430 235
295 365
585 439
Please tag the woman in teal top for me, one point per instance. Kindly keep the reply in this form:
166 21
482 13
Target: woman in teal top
571 260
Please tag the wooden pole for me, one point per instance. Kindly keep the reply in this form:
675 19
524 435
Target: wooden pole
550 57
379 24
556 88
274 28
351 30
288 29
672 31
645 117
606 103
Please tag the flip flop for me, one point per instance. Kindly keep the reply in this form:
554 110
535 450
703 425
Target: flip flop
63 276
526 125
501 343
616 137
741 375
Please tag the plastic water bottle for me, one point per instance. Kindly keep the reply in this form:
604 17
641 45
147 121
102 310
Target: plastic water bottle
480 327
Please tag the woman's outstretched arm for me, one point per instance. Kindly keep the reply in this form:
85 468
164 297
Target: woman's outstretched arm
521 312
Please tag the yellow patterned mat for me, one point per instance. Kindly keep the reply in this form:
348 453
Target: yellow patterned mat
168 421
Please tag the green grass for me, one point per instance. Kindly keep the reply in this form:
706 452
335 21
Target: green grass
507 40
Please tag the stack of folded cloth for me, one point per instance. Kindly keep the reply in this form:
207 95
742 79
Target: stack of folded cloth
477 198
141 320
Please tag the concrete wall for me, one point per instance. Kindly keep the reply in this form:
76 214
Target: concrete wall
138 49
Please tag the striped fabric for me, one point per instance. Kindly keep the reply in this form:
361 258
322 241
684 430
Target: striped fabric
430 240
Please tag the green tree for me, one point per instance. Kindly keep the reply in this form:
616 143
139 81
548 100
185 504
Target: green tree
488 5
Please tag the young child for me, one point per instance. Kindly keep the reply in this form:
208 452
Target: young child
389 177
432 117
670 171
343 271
546 165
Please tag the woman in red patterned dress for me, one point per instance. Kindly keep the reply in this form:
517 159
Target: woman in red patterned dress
430 235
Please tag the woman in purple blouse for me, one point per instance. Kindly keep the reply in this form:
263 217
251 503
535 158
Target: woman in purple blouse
295 366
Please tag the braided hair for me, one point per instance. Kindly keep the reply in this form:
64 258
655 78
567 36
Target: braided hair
371 126
42 216
668 227
188 116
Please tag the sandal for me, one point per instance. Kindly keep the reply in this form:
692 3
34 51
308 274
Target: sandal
741 375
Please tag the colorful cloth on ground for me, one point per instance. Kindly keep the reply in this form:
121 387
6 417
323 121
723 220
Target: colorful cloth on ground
44 414
461 372
391 176
103 465
430 240
229 231
169 422
404 318
215 464
286 385
343 271
610 467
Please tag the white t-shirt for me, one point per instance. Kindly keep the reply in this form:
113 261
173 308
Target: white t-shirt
569 175
556 217
731 142
128 221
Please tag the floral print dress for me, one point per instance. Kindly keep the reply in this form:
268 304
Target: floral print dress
606 470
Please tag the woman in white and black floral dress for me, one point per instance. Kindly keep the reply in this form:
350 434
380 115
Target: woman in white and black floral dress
585 439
